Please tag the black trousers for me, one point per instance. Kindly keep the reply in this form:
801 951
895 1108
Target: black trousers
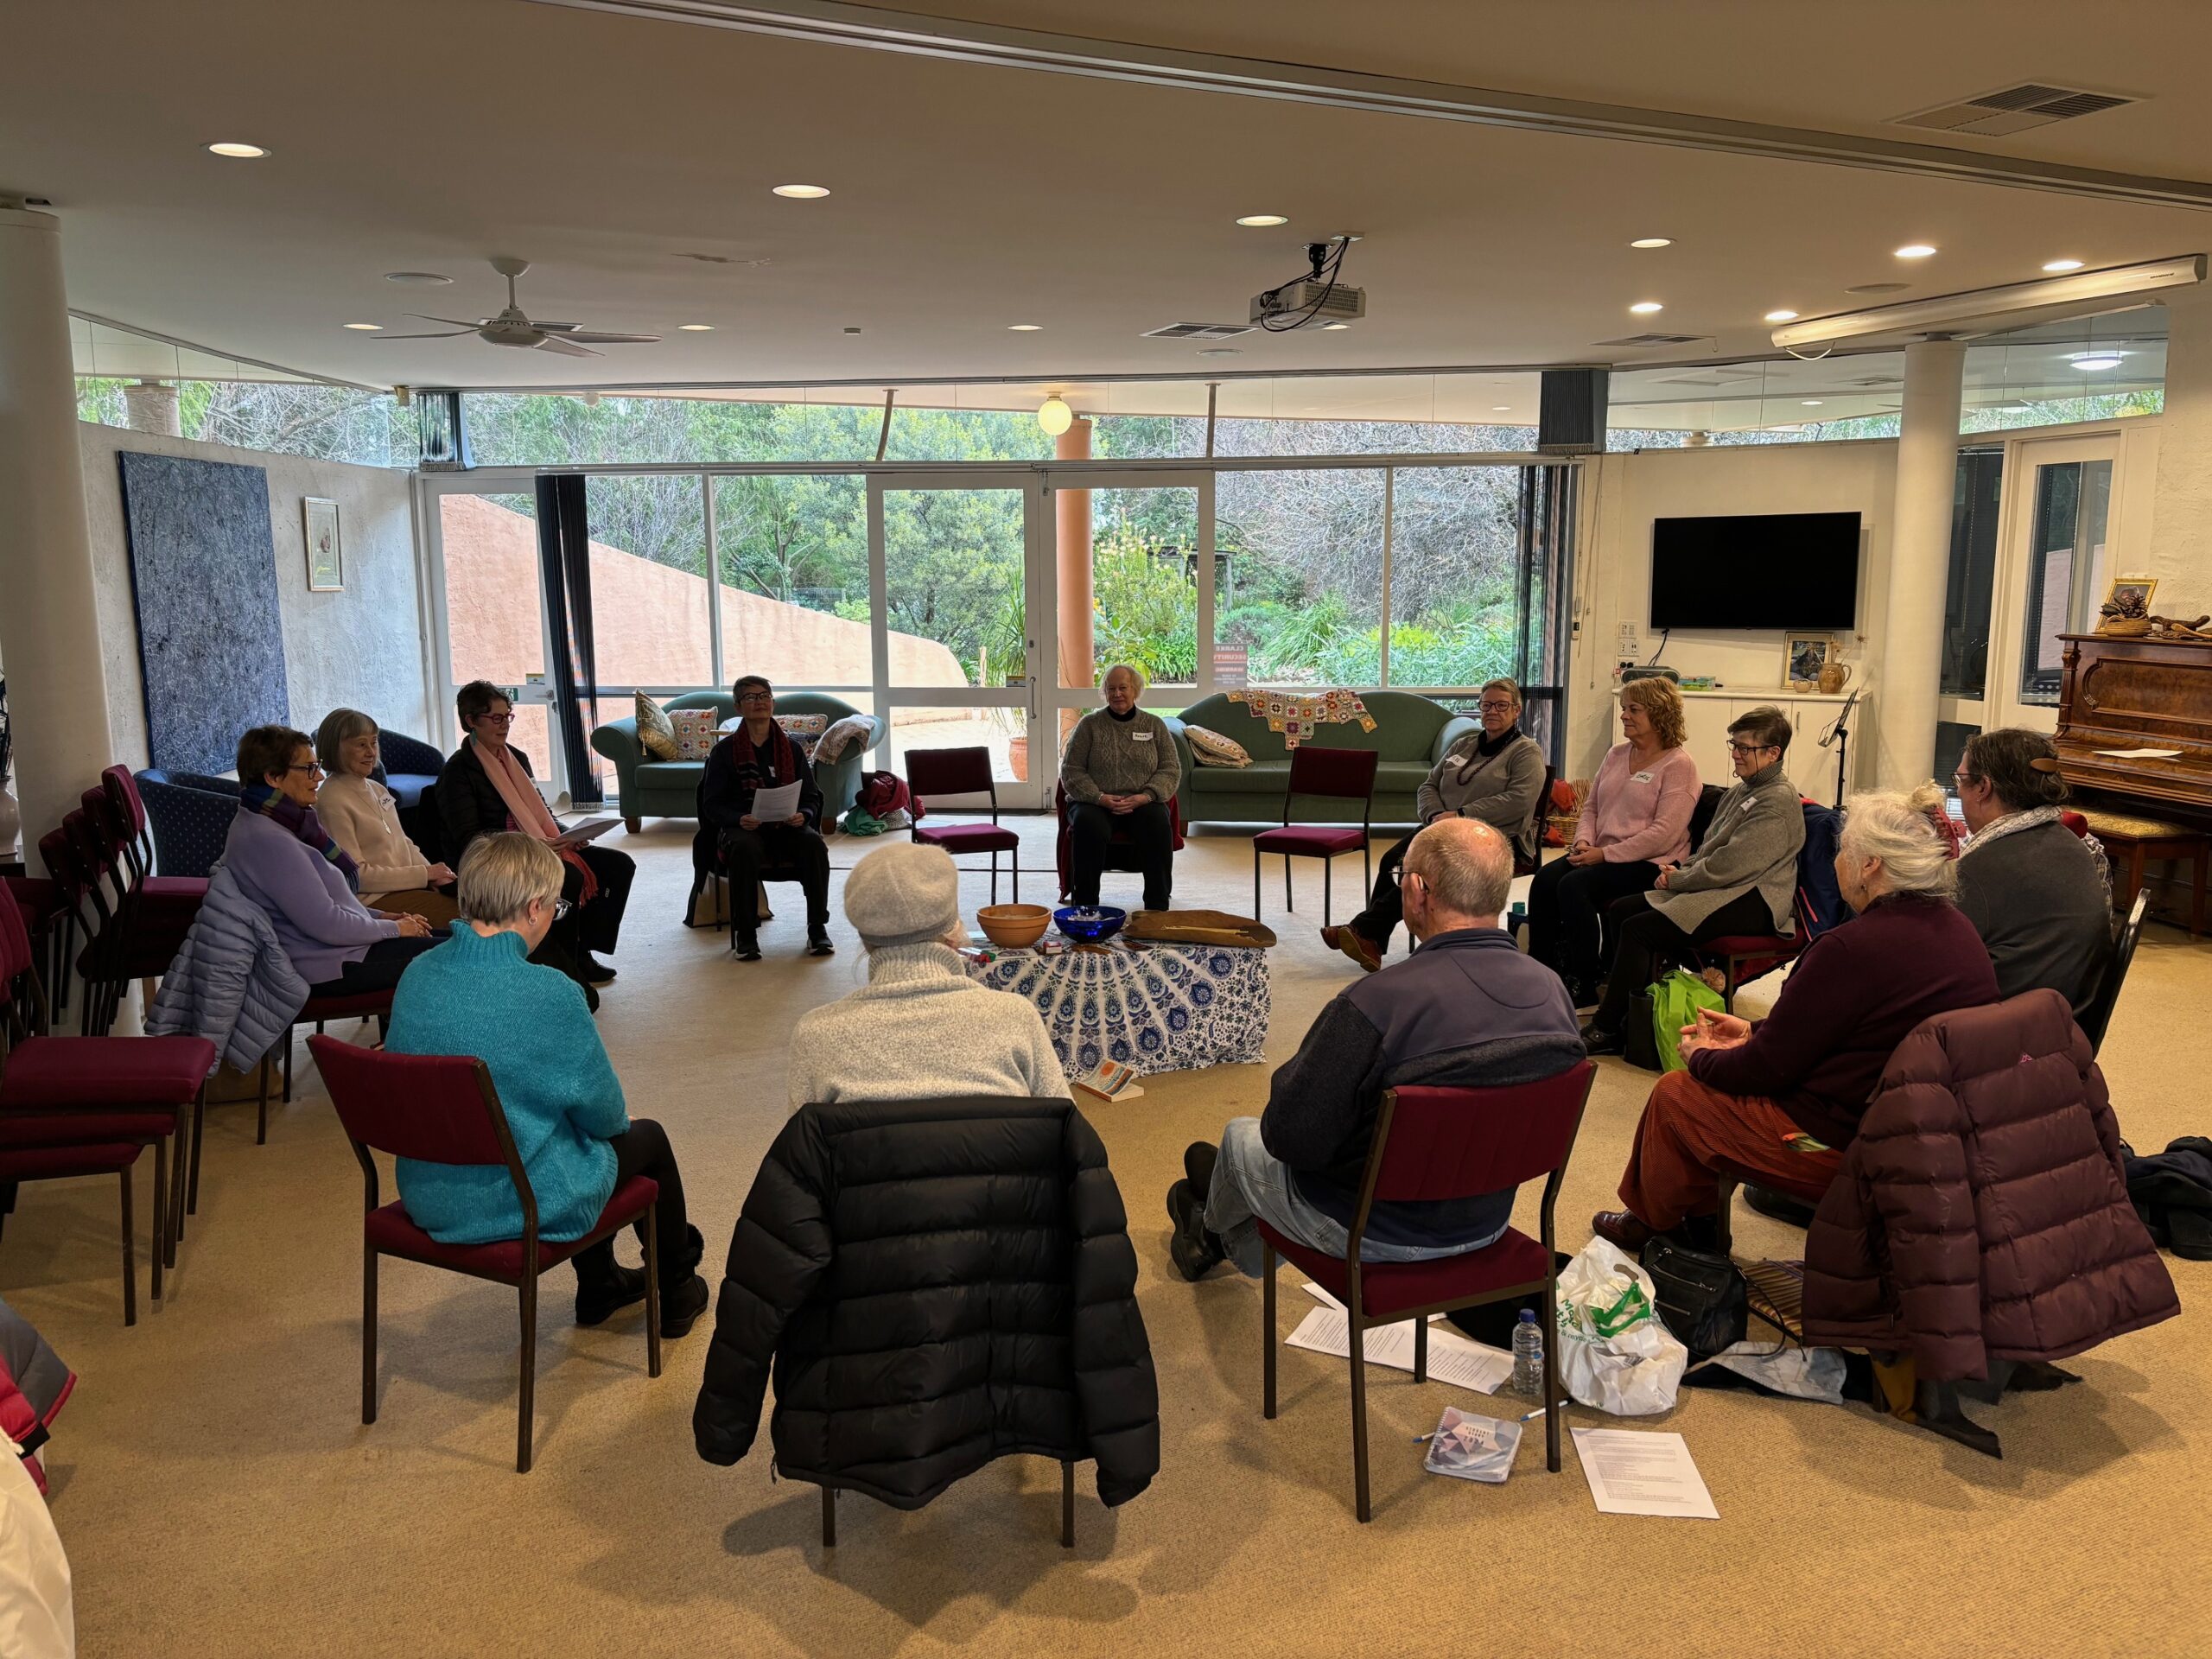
643 1149
1646 938
773 849
1385 908
1570 920
379 971
1091 840
595 926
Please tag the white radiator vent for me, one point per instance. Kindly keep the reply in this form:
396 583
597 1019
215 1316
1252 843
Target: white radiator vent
1199 331
2014 108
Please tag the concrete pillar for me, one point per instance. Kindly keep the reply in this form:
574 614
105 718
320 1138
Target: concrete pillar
1079 637
153 406
1920 562
49 624
2180 551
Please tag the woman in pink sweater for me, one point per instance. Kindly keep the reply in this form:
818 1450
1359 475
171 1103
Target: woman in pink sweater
1636 823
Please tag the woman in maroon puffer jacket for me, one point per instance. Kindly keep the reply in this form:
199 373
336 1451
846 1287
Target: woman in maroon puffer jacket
1981 1214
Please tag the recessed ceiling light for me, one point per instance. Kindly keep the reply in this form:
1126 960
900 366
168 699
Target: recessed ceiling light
1812 402
422 278
1221 351
1024 328
366 328
2062 264
1782 316
695 328
802 192
237 152
1915 250
1329 326
2094 360
1653 242
1645 308
1500 409
1263 221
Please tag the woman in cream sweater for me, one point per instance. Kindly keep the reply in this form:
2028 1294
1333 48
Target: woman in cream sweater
362 817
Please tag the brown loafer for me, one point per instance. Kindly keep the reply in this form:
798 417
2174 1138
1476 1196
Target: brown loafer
1353 944
1620 1227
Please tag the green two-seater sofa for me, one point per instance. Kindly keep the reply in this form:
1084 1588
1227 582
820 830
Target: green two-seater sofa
670 789
1411 735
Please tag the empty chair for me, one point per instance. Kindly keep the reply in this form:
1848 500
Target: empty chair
963 772
1328 774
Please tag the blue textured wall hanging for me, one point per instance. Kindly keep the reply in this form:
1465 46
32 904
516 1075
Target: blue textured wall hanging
203 580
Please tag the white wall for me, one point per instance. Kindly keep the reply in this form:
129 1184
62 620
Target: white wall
1623 493
362 648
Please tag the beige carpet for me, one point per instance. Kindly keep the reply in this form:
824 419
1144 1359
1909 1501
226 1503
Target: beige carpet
218 1495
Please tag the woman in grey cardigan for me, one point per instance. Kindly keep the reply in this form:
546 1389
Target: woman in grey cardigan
1741 879
2031 887
1121 766
1496 775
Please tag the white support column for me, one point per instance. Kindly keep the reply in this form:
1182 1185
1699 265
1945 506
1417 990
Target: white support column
1920 561
49 623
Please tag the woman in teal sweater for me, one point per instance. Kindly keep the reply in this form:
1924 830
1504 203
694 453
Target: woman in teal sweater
479 995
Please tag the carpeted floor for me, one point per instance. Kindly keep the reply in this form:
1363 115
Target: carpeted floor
218 1495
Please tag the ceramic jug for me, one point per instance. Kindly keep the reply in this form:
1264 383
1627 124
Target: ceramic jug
1832 675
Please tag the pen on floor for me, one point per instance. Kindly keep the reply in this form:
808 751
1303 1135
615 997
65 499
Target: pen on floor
1525 1417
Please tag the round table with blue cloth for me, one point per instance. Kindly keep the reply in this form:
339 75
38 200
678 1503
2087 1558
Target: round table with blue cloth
1164 1007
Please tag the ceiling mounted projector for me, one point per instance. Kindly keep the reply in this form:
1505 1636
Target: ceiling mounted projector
1315 298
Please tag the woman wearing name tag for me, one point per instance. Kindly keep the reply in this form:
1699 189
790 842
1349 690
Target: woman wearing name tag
1636 821
1120 767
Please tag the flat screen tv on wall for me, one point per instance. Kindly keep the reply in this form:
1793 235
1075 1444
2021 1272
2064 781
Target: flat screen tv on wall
1755 570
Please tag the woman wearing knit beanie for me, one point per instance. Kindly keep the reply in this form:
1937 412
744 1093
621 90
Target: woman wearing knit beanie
920 1029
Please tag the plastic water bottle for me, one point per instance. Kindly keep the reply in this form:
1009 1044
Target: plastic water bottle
1528 1356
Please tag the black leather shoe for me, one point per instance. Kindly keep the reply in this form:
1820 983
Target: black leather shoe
1779 1205
817 943
1194 1251
1620 1227
744 948
1198 1159
1598 1040
592 970
680 1308
597 1302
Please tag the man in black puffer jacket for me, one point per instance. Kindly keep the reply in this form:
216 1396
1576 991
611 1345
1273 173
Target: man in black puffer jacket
941 1283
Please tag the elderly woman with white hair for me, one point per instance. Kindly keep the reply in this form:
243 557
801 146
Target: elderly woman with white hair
362 817
1780 1097
479 995
1120 767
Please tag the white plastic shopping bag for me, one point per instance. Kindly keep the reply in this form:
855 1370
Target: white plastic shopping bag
1613 1351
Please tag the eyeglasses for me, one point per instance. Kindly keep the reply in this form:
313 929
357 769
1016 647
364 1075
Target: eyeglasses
756 696
498 720
1401 874
1748 748
310 767
561 908
1491 706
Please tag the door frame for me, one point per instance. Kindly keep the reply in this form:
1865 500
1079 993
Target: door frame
2001 704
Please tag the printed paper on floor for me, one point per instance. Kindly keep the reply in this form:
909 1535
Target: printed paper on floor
1642 1471
1452 1358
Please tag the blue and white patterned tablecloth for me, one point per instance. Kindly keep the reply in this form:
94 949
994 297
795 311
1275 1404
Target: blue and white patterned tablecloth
1168 1007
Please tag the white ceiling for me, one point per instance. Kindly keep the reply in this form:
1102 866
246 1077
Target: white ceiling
431 133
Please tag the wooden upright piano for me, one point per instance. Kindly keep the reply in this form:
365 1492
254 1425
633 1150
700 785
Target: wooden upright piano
2138 693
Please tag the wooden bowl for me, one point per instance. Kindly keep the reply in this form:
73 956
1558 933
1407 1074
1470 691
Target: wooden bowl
1015 926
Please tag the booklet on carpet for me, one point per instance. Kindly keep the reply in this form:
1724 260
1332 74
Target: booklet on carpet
1110 1080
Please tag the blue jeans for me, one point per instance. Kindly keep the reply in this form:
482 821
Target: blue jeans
1251 1185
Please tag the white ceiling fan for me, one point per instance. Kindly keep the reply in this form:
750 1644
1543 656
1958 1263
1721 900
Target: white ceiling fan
513 328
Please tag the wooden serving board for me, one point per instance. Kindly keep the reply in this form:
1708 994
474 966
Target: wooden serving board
1199 927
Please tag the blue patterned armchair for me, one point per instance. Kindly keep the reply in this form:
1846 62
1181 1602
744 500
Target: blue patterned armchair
191 815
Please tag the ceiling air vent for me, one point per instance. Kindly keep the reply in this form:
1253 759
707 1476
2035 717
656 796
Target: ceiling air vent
2014 108
1655 339
1199 331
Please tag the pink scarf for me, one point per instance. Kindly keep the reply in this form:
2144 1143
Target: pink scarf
526 809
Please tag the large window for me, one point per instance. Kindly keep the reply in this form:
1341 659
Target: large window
1975 508
2066 567
1300 581
793 551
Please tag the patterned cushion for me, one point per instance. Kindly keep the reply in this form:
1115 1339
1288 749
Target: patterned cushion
693 733
1211 749
853 728
656 736
805 730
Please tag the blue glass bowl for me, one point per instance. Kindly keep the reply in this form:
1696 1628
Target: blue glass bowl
1088 924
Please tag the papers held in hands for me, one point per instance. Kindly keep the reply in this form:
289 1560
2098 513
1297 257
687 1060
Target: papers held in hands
774 805
578 833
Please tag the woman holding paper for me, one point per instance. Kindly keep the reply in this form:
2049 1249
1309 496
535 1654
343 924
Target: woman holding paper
485 788
759 796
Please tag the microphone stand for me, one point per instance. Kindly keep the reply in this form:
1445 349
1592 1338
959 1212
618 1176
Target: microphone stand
1839 734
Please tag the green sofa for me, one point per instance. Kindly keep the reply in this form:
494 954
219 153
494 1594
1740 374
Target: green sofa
1411 734
670 789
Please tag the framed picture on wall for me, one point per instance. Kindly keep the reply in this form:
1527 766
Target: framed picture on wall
1805 654
326 556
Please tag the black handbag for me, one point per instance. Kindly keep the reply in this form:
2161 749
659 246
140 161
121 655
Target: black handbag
1702 1297
1639 1038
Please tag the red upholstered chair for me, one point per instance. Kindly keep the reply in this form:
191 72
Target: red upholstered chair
1432 1144
962 772
2076 822
318 1011
444 1110
74 1106
1332 774
153 912
1121 850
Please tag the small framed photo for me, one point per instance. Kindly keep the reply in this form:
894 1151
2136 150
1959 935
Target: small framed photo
326 556
1806 655
2130 596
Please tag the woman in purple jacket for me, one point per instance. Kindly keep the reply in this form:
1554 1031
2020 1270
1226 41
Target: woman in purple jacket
283 860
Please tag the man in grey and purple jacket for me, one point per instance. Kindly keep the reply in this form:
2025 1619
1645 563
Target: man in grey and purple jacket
1466 1010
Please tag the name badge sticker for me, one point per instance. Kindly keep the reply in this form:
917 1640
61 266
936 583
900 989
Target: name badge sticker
1640 777
1140 737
